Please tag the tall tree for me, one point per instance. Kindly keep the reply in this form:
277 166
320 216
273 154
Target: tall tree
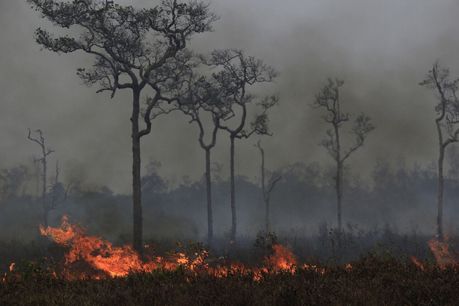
268 183
236 74
201 101
329 99
132 49
447 111
204 102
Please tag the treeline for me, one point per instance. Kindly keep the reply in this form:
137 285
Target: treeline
399 197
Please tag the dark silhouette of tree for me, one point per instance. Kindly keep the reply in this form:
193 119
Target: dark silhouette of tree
447 110
51 196
134 49
237 73
13 182
204 102
267 186
329 99
199 98
151 181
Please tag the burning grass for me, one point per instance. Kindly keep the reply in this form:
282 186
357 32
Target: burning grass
95 272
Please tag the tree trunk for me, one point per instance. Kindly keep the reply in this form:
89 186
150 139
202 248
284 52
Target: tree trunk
263 190
267 216
440 194
136 166
339 194
44 190
210 231
45 217
339 179
233 193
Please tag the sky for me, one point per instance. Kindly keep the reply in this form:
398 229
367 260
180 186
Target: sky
381 49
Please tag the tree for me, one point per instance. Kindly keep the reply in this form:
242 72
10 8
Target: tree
204 100
267 187
51 196
134 49
237 73
13 182
329 99
447 111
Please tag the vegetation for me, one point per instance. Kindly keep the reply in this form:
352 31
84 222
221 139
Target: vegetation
371 281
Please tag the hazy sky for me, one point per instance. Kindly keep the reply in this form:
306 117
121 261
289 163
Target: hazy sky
382 49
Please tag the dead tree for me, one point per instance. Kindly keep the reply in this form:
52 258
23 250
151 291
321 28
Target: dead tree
447 111
132 49
329 100
45 152
51 196
267 187
203 100
237 73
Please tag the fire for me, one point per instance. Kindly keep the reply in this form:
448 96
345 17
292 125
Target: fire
418 263
443 256
282 259
108 260
99 254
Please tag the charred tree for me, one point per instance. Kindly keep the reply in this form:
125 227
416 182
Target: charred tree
329 100
43 160
133 49
267 187
54 194
207 147
237 73
447 111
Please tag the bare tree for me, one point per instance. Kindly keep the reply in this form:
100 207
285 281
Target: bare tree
447 110
200 99
133 49
329 99
13 182
51 196
237 73
45 152
267 186
204 101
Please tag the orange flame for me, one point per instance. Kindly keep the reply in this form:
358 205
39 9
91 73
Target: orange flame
418 263
114 261
282 259
443 256
99 254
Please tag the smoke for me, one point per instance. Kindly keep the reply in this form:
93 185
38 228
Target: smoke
381 49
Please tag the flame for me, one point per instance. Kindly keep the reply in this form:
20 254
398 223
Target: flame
99 254
418 263
107 260
443 256
282 259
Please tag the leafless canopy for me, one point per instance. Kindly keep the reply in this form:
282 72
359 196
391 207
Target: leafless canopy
235 74
447 109
329 99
